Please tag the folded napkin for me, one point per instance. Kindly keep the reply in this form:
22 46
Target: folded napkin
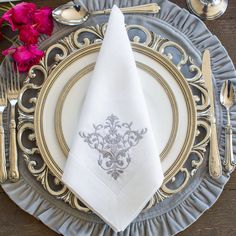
113 165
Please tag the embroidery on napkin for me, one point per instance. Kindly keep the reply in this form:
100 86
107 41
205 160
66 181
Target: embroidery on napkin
113 140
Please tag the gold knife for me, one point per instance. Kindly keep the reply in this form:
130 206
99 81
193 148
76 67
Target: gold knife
215 167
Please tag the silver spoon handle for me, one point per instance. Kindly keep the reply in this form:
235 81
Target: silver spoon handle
146 8
229 157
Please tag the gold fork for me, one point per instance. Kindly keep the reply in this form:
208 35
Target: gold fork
3 105
13 88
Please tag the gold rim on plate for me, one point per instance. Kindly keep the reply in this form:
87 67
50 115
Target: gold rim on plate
58 112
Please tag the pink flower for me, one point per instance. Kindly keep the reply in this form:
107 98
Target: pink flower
28 34
20 14
25 56
43 20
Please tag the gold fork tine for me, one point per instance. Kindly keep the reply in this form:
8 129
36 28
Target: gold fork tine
3 104
7 75
10 71
1 86
17 80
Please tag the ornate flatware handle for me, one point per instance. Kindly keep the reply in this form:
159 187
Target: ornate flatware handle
3 169
229 157
13 156
215 167
146 8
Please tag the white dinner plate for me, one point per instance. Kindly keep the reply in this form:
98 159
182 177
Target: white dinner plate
169 99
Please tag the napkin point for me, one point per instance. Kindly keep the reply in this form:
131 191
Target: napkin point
116 10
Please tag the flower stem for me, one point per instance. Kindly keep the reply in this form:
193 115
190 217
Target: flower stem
15 38
5 8
2 9
12 5
8 39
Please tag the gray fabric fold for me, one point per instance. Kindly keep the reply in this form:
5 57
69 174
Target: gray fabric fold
182 209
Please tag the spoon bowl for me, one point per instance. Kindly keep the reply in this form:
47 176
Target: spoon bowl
227 94
70 14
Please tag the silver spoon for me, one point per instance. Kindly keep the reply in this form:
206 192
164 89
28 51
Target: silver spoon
227 97
75 14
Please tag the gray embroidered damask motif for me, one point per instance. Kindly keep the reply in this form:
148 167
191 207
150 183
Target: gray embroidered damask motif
113 141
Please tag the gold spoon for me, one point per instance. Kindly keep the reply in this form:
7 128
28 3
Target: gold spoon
227 97
75 14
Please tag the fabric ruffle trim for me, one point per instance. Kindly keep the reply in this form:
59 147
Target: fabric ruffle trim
195 203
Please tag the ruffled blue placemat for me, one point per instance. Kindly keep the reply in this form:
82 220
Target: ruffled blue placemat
182 209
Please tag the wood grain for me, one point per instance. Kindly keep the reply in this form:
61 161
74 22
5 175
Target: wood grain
218 221
18 222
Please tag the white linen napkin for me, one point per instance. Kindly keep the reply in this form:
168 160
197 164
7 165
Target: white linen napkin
114 166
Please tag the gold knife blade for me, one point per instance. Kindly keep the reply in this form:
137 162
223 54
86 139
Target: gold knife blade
215 167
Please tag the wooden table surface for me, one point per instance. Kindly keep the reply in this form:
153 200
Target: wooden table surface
218 221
